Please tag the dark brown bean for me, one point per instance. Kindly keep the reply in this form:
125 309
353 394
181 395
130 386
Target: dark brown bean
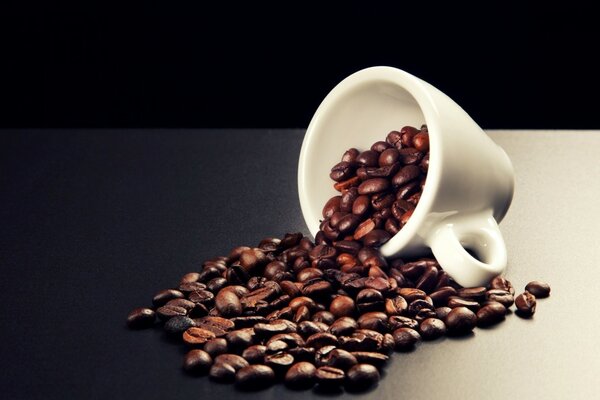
222 373
421 141
368 158
394 138
380 146
432 328
350 155
490 314
526 304
441 295
197 336
500 282
301 375
455 301
197 362
177 325
161 298
140 318
342 171
255 354
254 377
501 296
460 321
361 377
375 185
538 289
407 134
405 338
388 157
167 312
329 377
216 346
473 293
376 238
228 304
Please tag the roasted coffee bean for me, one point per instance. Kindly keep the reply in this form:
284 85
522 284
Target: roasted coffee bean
407 134
396 306
368 158
343 326
428 280
302 353
405 338
380 146
301 375
460 321
255 354
302 314
347 249
228 304
412 294
350 155
410 155
442 312
324 316
491 313
347 199
248 321
501 283
329 377
424 314
307 328
341 186
217 325
501 296
342 171
361 377
369 300
421 141
375 185
279 362
441 295
388 157
216 346
190 277
141 318
374 320
323 252
415 306
414 270
308 274
342 306
538 289
237 362
394 139
188 287
222 373
197 336
381 201
321 339
474 293
348 223
273 268
455 301
432 328
240 339
292 339
526 304
380 284
254 377
425 163
376 238
371 357
364 229
167 312
202 297
188 305
236 275
301 301
269 244
407 190
317 288
161 298
197 362
399 209
406 175
290 288
178 324
339 358
253 258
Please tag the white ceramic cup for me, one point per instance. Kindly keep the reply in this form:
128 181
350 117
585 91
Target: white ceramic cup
470 180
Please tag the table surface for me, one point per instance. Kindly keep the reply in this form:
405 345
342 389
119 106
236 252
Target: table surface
94 222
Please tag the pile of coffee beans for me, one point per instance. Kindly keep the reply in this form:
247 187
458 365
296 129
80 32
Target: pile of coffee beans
380 189
330 312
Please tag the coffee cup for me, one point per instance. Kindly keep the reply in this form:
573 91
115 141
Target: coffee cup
470 179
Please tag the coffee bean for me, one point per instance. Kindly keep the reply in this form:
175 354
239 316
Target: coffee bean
460 321
388 157
361 377
474 293
240 339
526 304
329 377
216 346
501 283
396 306
222 373
455 301
190 277
394 137
412 294
442 294
255 354
350 155
342 306
407 134
417 305
317 288
279 362
432 328
292 340
421 141
405 338
371 357
375 185
234 360
364 228
398 321
428 280
141 318
376 238
188 287
368 158
321 339
339 358
217 325
197 362
324 316
501 296
538 289
167 312
342 171
491 313
343 326
202 297
369 300
301 375
348 223
197 336
380 146
254 377
341 186
410 155
442 312
228 304
179 324
406 175
161 298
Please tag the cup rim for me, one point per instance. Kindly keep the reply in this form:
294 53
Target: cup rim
419 91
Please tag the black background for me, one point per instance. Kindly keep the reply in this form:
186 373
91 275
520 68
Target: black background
269 64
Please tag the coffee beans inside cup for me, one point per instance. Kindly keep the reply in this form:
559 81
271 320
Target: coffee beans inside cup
329 312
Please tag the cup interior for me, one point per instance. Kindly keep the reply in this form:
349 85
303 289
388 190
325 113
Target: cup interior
353 115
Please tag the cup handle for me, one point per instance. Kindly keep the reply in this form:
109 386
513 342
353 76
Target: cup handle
480 234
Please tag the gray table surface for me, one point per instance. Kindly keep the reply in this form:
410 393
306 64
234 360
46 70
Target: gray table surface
94 222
